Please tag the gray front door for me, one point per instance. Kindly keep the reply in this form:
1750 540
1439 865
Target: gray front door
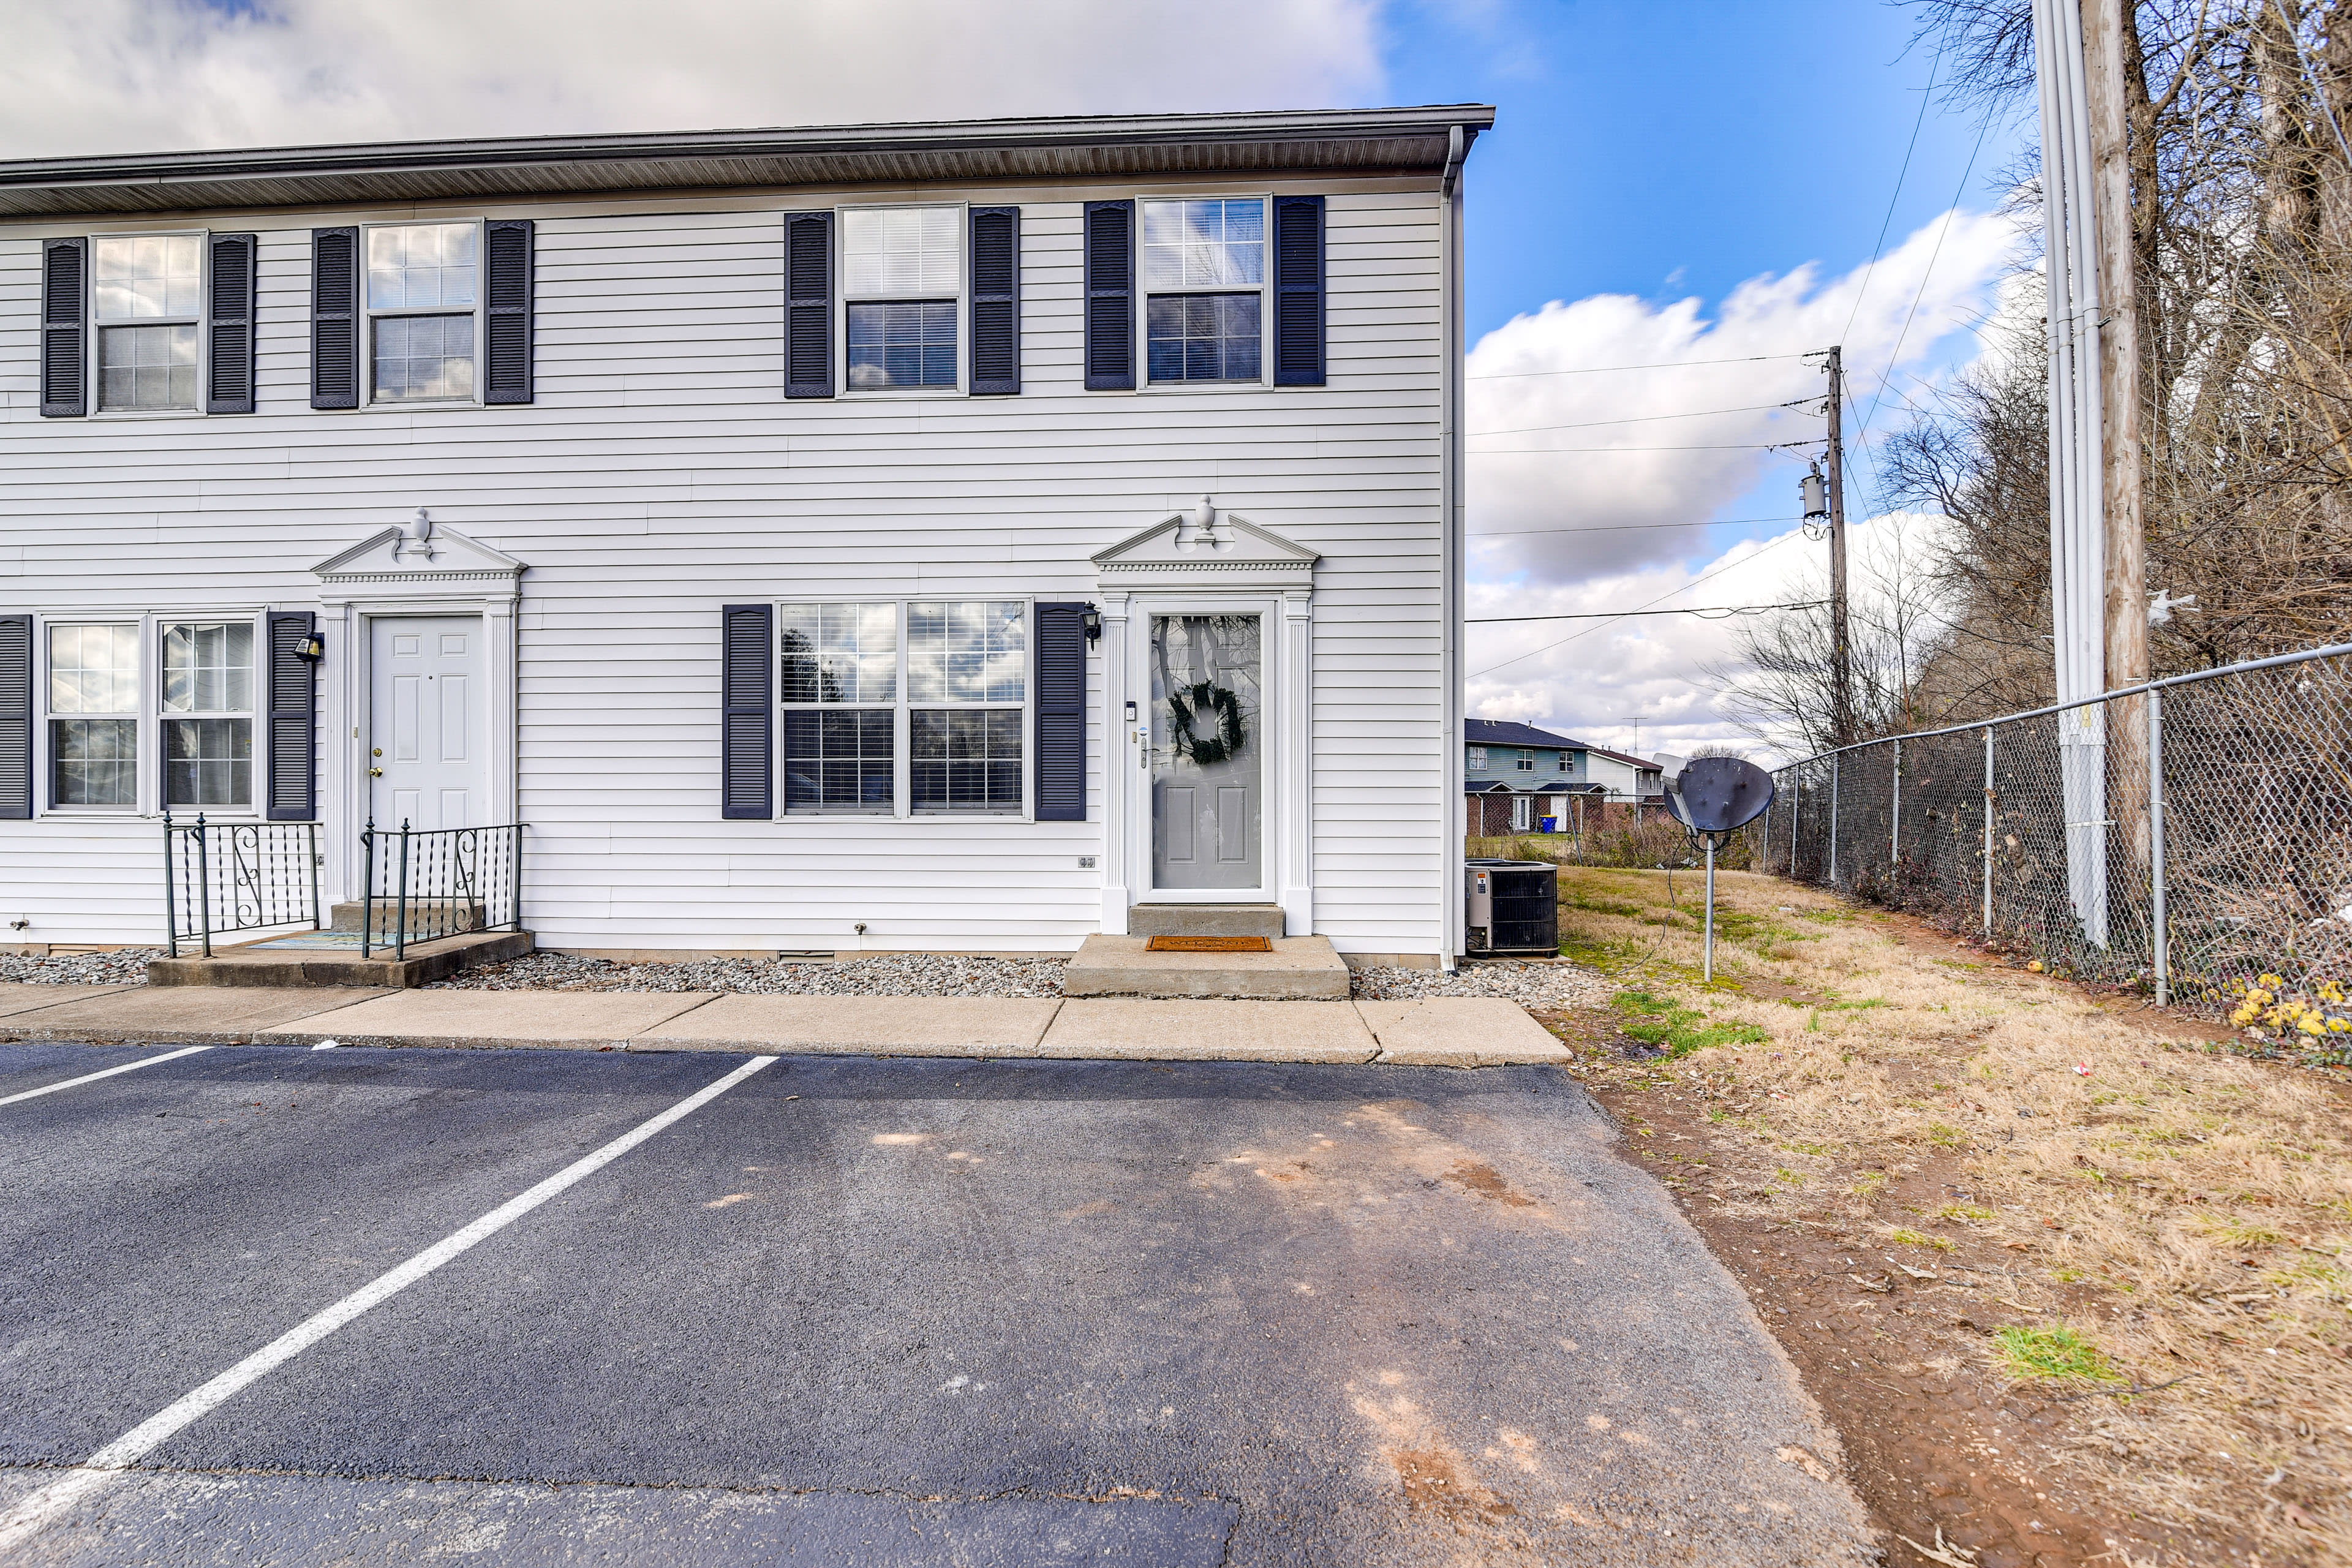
1208 746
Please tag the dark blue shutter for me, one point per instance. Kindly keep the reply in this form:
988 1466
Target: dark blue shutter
808 304
16 718
747 746
293 718
228 325
1061 713
65 352
996 302
334 318
1299 291
1111 296
507 296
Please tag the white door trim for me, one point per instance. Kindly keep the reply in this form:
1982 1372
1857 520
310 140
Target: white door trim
393 573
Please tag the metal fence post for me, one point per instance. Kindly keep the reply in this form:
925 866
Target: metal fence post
399 936
204 884
514 881
170 908
2155 844
1834 818
315 923
1988 832
1894 816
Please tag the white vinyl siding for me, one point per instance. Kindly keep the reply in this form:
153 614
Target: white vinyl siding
661 474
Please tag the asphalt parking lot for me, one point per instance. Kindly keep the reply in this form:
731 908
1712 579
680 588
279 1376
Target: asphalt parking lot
268 1305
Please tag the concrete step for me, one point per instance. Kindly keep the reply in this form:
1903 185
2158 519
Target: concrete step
1204 920
332 958
1299 968
440 917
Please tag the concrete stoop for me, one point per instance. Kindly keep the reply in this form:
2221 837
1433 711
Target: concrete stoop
268 962
1299 968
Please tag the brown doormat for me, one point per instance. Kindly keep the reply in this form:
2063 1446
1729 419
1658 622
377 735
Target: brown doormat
1208 944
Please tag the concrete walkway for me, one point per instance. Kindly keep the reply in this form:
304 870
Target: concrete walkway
1469 1031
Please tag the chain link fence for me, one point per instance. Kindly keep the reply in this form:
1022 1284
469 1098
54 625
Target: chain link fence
2193 837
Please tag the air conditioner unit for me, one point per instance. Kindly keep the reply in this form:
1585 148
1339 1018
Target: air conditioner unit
1513 908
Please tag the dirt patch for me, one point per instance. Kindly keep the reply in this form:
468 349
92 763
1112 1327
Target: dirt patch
1434 1481
2072 1284
1484 1181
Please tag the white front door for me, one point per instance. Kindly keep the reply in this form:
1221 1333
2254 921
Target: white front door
427 739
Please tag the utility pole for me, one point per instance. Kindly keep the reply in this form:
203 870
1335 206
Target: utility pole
2124 525
1841 648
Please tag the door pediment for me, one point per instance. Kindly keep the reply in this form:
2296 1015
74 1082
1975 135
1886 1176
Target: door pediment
1205 549
420 559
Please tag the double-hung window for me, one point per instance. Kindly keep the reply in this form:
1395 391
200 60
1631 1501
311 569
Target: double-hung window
423 295
1204 277
904 707
207 713
902 276
1526 762
1477 759
146 306
93 703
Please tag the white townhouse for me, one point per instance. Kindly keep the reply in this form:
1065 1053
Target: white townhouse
909 537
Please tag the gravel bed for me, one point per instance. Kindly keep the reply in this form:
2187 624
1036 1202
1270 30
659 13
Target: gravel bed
936 974
128 967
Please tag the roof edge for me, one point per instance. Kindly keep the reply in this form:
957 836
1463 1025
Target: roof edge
914 136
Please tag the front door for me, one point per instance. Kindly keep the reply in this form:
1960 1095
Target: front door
425 731
1208 752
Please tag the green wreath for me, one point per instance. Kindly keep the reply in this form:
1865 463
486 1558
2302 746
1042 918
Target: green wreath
1189 706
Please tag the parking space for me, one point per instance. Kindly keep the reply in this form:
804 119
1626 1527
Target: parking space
1238 1313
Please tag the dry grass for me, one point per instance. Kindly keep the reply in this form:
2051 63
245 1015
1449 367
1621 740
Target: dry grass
2184 1216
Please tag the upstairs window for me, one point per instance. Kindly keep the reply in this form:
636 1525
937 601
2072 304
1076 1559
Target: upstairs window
1477 758
422 296
902 284
1204 288
1526 762
146 300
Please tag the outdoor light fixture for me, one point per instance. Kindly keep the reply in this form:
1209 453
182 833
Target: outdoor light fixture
312 647
1092 621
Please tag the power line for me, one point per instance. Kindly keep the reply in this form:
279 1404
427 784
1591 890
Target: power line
1668 595
1863 434
1630 527
1662 364
1638 418
1706 446
1718 612
1886 222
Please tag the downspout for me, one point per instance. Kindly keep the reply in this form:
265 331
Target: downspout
1453 819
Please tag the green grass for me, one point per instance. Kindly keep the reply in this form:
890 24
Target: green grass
1678 1030
1914 1238
2051 1356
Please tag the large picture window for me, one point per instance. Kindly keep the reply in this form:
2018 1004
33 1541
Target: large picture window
902 276
933 693
422 295
93 699
146 302
1204 289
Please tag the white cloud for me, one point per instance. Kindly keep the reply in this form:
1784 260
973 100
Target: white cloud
1631 520
127 76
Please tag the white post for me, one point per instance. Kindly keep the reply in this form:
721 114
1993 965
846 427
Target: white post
1988 832
2155 845
2077 531
1710 910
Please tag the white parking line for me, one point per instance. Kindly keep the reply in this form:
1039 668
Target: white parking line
109 1072
34 1512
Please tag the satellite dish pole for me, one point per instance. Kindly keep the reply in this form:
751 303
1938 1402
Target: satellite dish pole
1714 797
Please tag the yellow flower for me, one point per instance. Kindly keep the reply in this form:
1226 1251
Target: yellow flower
2259 998
2311 1025
2274 981
2339 1025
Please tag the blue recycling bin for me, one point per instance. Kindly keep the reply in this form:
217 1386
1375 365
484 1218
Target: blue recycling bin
1548 824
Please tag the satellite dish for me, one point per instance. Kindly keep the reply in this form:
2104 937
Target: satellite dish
1718 793
1670 769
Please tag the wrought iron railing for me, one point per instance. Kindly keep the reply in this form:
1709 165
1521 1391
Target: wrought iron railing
223 877
422 886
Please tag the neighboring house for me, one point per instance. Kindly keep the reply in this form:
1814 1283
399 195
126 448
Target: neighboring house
909 537
1516 776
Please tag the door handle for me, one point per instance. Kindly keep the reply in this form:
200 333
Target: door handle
375 773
